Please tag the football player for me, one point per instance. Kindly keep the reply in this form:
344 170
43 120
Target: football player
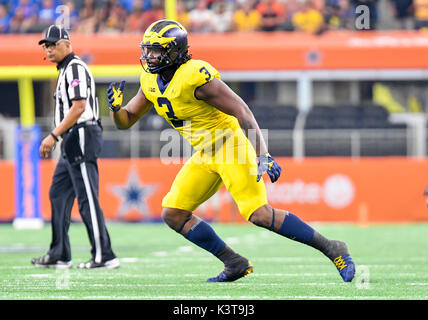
190 95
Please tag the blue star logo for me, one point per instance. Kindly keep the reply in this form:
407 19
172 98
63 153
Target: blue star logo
133 196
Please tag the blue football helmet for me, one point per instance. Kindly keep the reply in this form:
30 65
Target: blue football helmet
170 38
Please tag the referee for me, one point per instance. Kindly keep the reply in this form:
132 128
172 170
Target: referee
76 174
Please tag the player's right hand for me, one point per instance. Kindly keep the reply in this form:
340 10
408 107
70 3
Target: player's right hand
266 163
115 96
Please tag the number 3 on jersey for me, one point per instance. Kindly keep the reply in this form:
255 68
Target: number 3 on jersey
205 70
177 123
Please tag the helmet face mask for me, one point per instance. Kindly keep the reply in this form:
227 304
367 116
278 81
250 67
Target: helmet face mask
166 41
150 53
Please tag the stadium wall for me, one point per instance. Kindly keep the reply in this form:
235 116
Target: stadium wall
246 51
366 190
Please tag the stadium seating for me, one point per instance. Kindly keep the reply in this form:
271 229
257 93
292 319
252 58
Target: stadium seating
275 117
366 116
152 121
363 118
374 116
320 117
347 118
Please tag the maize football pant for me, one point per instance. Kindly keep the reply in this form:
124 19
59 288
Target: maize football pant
203 174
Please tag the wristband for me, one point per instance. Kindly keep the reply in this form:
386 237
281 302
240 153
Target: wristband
115 108
54 136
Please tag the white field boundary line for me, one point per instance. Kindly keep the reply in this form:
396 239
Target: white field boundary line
303 261
254 286
247 239
175 297
320 258
170 285
306 262
85 275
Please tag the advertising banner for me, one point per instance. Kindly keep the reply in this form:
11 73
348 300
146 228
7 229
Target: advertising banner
367 190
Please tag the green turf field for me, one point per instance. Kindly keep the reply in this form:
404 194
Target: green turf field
158 264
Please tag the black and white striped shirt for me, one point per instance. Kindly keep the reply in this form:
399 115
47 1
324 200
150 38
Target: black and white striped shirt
75 82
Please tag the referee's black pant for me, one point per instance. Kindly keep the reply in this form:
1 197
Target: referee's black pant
76 175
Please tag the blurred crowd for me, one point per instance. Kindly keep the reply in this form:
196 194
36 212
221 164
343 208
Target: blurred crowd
134 16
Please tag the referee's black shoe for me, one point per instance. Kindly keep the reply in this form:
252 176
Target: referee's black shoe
47 262
91 264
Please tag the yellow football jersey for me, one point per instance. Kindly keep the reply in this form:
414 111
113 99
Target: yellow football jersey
199 122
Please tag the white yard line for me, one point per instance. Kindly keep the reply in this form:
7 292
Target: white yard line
192 297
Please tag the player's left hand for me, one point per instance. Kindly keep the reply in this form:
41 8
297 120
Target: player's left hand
115 96
267 164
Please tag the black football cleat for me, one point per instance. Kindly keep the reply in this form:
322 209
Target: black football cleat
343 261
91 264
345 266
233 273
47 262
